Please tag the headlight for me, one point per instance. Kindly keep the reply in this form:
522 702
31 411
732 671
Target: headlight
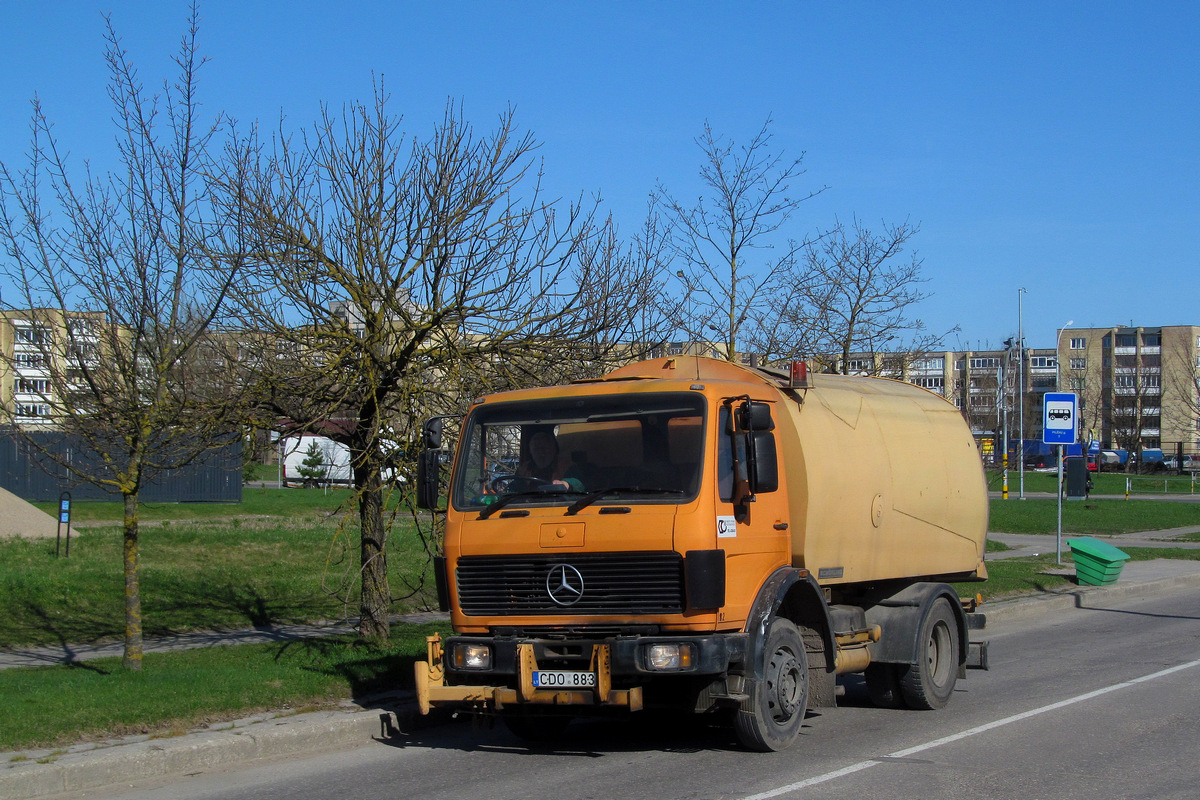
468 655
671 656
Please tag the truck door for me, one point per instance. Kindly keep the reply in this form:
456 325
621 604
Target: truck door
752 529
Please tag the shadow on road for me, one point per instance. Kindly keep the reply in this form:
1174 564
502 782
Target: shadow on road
647 731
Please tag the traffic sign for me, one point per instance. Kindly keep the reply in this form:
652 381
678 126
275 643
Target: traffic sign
1060 417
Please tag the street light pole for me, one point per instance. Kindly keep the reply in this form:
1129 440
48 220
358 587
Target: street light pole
1002 398
1021 383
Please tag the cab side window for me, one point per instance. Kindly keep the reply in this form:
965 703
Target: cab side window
729 443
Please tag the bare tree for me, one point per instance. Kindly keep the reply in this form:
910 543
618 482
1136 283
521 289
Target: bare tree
1086 385
395 274
1127 419
856 296
115 293
719 242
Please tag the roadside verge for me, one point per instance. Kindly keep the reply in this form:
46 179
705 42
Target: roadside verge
38 774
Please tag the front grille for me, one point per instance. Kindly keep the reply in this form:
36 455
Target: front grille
612 583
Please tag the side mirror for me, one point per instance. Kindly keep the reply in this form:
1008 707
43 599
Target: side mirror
754 416
763 463
428 469
431 434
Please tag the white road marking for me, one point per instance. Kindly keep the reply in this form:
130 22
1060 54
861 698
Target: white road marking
861 765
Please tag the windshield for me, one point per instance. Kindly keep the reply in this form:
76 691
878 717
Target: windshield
577 451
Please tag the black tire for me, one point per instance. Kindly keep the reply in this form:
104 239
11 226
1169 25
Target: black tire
883 685
770 718
929 683
535 727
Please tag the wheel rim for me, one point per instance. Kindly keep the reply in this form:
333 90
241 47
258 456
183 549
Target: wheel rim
938 656
784 685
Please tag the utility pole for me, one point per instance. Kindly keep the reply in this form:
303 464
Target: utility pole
1021 381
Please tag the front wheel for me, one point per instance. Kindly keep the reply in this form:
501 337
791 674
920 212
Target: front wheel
929 683
770 718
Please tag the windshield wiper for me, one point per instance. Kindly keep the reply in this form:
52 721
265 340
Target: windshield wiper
591 497
508 498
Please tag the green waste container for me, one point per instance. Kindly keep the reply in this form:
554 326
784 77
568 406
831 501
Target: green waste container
1097 563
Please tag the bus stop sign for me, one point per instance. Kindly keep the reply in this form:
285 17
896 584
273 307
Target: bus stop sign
1060 418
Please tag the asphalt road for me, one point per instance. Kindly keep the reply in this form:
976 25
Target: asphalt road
1086 703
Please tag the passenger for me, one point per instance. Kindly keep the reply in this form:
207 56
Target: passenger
542 463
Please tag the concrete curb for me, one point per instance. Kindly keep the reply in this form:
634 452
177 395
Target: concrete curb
231 744
241 743
1026 608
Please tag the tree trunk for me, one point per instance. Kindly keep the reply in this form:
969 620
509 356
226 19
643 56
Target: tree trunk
133 596
375 602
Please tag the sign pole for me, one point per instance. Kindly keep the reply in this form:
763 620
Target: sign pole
1058 539
1060 413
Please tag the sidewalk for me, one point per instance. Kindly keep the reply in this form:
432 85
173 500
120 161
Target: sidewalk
229 745
1025 544
66 653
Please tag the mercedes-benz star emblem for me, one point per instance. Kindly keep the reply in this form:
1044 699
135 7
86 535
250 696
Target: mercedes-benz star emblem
564 584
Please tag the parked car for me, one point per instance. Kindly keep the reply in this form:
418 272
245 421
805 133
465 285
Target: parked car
1191 463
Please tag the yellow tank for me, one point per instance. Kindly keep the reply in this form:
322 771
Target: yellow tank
883 478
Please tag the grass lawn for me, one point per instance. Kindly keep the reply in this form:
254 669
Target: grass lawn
1102 483
176 692
242 567
1090 517
255 502
1017 576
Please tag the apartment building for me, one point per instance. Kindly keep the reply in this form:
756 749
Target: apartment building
42 352
1139 387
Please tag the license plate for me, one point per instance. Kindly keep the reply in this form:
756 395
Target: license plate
558 679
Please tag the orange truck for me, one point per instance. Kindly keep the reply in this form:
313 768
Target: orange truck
690 533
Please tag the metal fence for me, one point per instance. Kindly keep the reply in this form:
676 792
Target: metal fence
41 471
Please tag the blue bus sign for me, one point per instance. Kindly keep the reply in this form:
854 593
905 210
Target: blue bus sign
1060 418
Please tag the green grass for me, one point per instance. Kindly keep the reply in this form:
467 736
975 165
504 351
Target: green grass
1090 517
1152 553
1011 577
175 692
238 571
260 472
1102 483
255 502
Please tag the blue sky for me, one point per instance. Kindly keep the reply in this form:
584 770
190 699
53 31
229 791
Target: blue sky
1051 146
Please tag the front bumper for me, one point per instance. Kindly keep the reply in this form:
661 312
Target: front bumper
620 666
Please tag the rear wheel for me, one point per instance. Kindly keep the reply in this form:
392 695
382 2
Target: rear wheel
929 683
770 718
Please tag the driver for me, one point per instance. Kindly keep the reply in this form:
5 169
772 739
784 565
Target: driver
542 463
